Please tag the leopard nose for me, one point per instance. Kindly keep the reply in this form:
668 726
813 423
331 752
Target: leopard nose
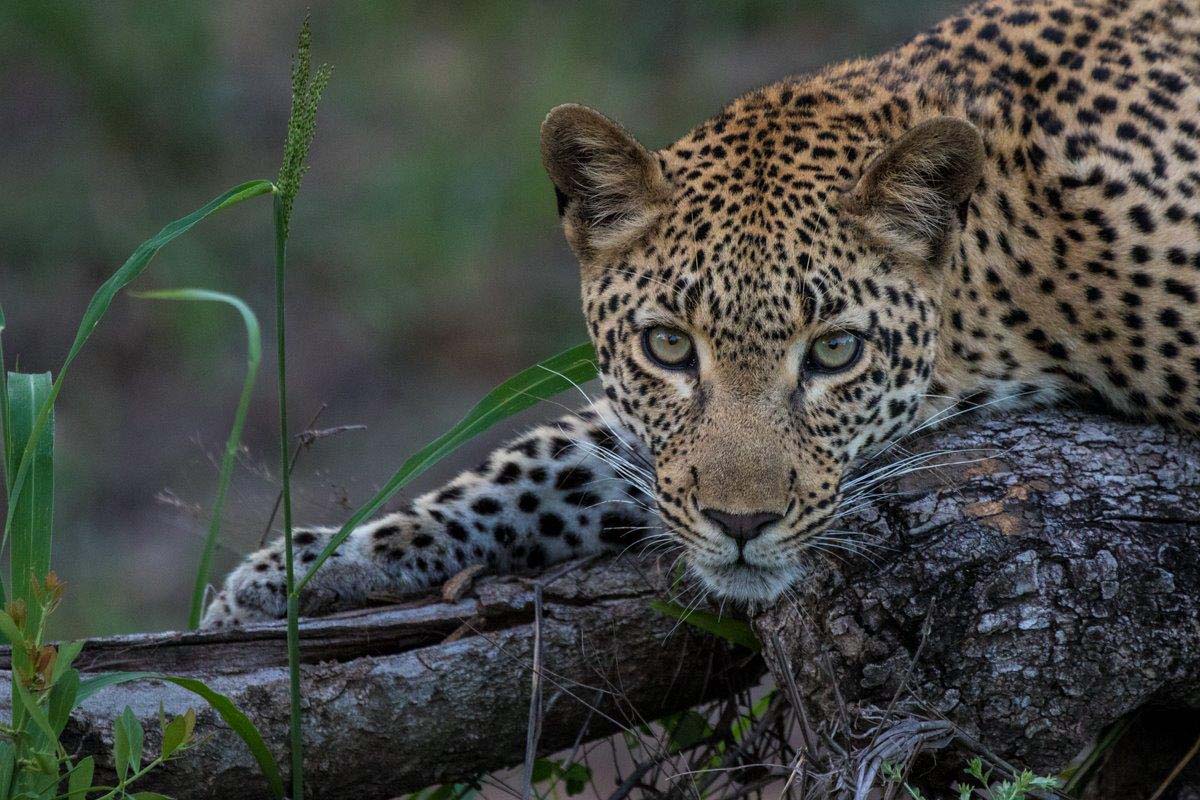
741 527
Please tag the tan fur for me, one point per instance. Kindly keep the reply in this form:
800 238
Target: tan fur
1006 209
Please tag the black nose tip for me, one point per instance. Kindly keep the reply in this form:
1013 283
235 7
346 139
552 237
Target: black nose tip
742 527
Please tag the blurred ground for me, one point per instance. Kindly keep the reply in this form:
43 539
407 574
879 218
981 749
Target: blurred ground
426 260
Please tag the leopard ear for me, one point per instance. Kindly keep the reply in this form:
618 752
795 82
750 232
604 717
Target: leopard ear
908 196
610 188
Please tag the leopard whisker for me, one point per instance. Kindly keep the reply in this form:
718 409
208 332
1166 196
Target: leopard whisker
912 464
630 472
600 415
830 546
937 418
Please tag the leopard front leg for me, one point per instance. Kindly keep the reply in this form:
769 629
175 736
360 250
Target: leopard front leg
572 488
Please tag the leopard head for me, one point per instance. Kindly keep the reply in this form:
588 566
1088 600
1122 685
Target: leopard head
763 296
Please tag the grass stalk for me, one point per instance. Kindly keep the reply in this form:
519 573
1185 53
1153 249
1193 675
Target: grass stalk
289 558
253 358
307 87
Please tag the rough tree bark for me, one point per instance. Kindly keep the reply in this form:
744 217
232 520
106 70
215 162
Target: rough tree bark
1053 582
403 697
1059 578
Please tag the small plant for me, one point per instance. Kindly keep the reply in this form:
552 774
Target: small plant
571 777
981 786
895 776
446 791
1016 789
732 630
34 765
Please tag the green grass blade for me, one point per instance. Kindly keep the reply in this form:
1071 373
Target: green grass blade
8 764
545 379
98 306
731 630
35 712
4 423
253 358
62 700
9 628
32 515
232 716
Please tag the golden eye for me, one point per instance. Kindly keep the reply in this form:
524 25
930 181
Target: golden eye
834 352
669 347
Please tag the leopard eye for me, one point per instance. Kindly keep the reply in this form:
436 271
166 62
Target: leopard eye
834 352
668 347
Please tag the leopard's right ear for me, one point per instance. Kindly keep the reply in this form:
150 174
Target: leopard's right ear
610 188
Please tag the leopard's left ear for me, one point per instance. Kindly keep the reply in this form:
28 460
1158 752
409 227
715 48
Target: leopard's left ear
908 196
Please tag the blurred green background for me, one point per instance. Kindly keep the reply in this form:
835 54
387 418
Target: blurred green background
426 259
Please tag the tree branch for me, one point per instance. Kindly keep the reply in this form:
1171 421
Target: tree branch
1039 583
403 697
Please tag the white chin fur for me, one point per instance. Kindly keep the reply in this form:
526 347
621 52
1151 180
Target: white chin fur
744 582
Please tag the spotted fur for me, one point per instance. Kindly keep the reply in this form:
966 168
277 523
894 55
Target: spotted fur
1006 210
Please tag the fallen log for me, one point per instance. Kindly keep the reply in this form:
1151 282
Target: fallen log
403 697
1040 585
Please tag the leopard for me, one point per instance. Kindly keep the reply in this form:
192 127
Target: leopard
1002 213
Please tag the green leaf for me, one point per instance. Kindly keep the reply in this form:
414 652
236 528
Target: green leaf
528 387
731 630
543 770
96 309
177 732
253 357
127 746
445 791
6 445
743 724
10 630
80 779
35 711
230 713
150 796
67 653
8 758
62 700
577 776
31 517
689 728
